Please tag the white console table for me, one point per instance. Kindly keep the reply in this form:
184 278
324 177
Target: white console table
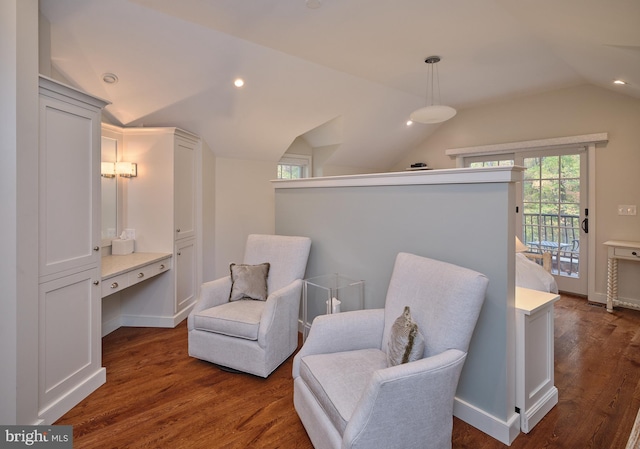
536 393
120 272
618 249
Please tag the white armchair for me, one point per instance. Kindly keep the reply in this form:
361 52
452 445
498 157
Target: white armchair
348 397
253 336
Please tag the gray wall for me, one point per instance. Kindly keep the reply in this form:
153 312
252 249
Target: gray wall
358 231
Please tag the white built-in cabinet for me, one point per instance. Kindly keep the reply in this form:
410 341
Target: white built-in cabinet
69 305
536 393
185 272
160 204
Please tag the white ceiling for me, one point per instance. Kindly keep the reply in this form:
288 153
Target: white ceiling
355 66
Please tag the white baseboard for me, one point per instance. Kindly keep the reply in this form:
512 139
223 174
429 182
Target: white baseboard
155 321
146 321
631 303
536 412
503 431
598 297
178 317
110 325
72 398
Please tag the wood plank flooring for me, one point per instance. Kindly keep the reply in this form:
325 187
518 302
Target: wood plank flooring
156 396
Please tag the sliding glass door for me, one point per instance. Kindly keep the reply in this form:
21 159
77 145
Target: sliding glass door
552 214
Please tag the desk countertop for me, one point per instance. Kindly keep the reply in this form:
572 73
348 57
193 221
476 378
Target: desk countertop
530 301
115 265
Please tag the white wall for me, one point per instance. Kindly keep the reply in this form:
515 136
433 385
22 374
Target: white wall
244 204
299 146
340 170
208 222
320 156
567 112
19 203
44 45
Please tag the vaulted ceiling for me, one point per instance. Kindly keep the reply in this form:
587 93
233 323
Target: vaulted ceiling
347 73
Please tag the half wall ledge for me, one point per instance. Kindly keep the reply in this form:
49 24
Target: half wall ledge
438 176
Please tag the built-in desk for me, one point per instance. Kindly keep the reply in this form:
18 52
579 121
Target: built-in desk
120 272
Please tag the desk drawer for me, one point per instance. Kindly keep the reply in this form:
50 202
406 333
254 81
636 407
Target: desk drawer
148 271
630 253
114 284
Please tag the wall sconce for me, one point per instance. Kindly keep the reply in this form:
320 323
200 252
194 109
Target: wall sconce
107 169
127 169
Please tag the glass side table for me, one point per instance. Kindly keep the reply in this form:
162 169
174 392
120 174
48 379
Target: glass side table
330 293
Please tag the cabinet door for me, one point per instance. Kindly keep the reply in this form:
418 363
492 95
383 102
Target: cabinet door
185 268
184 179
69 341
69 190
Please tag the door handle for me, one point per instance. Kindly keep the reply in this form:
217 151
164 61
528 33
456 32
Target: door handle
585 225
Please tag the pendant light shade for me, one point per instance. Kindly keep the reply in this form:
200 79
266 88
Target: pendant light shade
436 113
433 112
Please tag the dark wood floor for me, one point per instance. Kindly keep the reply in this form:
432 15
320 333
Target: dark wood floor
156 396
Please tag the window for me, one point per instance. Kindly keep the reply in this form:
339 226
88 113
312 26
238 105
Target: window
490 161
290 171
294 167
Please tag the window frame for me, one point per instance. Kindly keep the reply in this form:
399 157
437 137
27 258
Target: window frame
297 160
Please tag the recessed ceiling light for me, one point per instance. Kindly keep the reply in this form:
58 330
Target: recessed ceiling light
409 122
619 82
238 82
313 4
109 78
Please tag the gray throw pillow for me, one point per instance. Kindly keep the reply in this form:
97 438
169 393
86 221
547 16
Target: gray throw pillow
249 281
406 344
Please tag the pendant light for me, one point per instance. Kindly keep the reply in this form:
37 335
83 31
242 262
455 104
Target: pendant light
433 112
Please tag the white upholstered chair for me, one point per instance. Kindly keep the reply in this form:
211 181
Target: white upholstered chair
247 335
344 391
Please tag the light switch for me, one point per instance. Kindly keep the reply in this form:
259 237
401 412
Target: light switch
626 209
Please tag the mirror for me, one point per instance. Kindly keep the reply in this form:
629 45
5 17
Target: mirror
109 193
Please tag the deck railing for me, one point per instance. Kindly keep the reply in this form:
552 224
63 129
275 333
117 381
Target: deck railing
557 234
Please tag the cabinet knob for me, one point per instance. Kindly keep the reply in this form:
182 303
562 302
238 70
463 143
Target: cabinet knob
114 285
96 282
140 275
96 248
179 253
635 253
178 230
162 267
